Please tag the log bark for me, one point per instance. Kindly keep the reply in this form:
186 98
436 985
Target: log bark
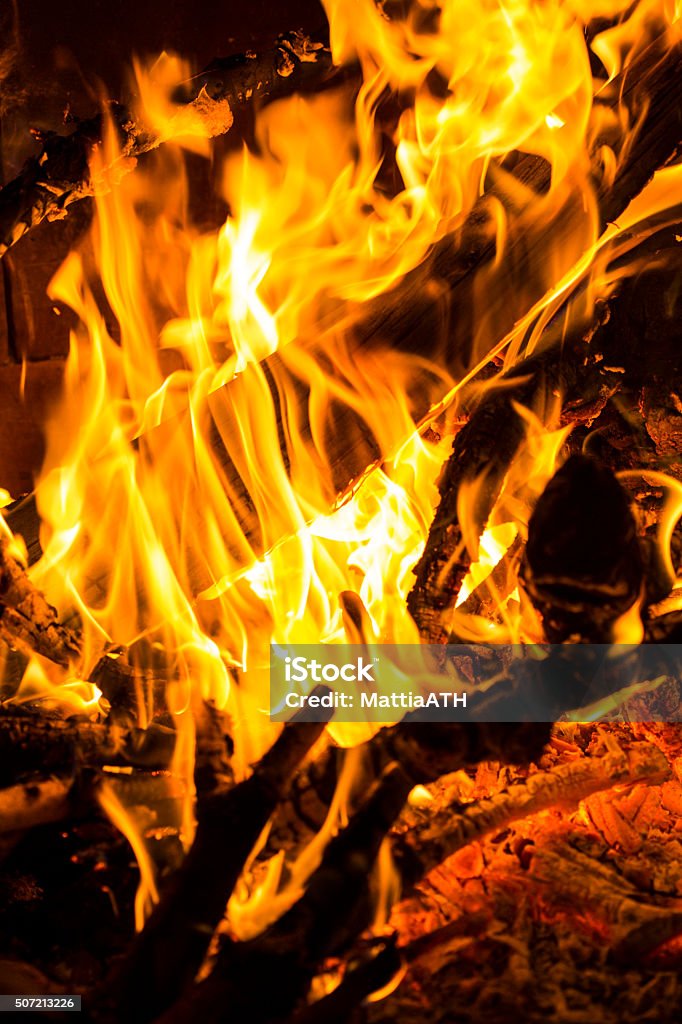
27 621
59 176
36 742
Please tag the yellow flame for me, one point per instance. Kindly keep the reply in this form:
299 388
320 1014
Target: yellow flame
538 457
147 894
190 491
42 683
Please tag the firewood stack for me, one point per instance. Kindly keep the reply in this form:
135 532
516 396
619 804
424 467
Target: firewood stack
533 866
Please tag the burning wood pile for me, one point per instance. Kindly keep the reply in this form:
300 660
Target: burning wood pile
421 387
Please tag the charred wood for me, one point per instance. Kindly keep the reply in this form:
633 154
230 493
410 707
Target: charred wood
43 801
636 928
169 951
27 621
36 742
449 828
60 175
325 920
425 752
484 449
359 982
334 909
582 568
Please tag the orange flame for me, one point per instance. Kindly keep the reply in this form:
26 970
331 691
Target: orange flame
174 524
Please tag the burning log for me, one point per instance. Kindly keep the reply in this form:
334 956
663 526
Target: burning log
482 450
324 920
44 801
425 751
169 951
586 372
636 927
411 319
60 175
31 742
27 621
158 977
450 828
582 567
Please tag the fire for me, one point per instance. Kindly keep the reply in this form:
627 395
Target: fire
192 509
41 685
537 459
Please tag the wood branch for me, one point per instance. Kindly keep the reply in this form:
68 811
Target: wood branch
37 742
169 951
27 621
44 801
358 983
425 752
60 175
334 909
449 828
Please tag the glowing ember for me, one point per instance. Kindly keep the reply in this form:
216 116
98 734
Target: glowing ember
193 511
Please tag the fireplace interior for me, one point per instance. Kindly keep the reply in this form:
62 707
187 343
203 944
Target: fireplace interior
357 324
